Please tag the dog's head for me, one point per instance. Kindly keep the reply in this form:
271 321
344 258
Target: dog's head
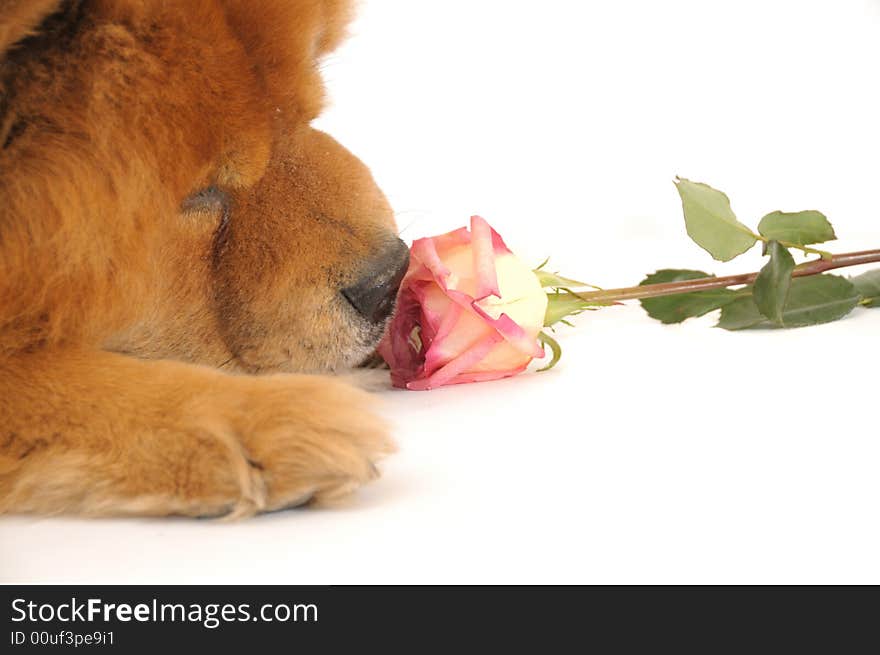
163 191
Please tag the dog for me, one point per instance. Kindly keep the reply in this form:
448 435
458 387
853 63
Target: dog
184 261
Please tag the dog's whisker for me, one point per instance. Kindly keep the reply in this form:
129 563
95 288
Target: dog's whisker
409 225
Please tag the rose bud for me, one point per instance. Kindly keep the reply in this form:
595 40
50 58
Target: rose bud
468 310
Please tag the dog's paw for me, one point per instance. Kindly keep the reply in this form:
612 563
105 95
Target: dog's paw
308 439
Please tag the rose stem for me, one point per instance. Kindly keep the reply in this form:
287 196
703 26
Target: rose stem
702 284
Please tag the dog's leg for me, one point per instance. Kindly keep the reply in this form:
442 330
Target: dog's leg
101 434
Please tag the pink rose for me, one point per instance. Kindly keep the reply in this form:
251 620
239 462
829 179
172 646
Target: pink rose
468 310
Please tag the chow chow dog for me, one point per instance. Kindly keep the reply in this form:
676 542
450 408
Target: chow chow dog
181 257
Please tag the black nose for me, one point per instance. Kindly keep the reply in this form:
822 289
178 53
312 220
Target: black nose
374 293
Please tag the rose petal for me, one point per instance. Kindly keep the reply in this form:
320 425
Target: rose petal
497 242
513 333
445 343
459 237
486 376
425 251
429 253
468 330
503 356
457 366
434 305
483 253
504 325
397 351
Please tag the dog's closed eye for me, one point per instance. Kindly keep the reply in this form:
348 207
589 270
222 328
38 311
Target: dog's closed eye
209 199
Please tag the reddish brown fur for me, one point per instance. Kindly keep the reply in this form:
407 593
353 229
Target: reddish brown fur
113 113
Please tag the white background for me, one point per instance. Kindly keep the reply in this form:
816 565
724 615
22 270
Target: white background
652 453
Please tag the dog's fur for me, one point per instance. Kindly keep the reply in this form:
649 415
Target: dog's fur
173 238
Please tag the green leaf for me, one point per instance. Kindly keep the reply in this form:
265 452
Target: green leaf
681 306
741 314
811 300
711 222
565 303
556 281
868 284
773 282
547 340
797 228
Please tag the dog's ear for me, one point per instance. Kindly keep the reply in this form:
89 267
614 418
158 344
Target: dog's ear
286 38
20 19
